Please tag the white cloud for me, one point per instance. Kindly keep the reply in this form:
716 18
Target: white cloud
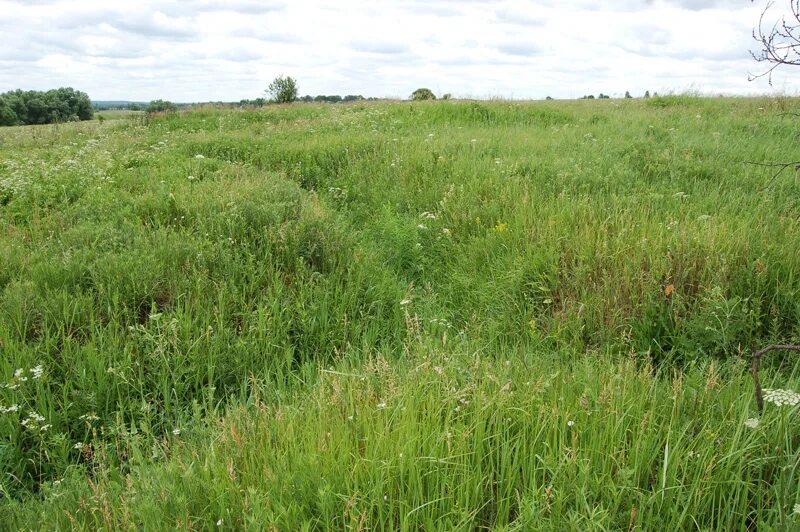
200 50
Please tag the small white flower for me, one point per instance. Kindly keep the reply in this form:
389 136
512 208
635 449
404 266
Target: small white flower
570 423
199 156
752 423
220 522
421 226
797 509
176 432
405 302
37 371
78 446
190 178
382 404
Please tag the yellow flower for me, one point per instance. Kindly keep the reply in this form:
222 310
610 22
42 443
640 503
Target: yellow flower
501 227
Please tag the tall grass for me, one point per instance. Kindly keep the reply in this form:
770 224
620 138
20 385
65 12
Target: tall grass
444 315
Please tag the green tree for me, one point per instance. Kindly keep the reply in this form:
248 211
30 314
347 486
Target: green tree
161 106
423 94
7 115
37 107
283 89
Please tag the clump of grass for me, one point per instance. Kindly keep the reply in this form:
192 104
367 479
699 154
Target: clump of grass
455 441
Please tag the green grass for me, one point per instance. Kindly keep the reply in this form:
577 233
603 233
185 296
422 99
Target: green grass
448 315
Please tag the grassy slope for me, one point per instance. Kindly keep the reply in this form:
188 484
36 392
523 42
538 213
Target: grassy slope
603 263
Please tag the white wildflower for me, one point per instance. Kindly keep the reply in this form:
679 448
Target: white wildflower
781 397
190 178
176 432
752 423
78 446
382 404
37 372
570 423
797 509
405 302
429 215
421 226
8 409
220 522
199 156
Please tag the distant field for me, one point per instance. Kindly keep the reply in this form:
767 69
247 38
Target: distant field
450 315
116 114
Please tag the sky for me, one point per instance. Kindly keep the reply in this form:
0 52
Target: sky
228 50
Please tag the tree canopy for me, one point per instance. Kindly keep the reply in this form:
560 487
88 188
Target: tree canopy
44 107
161 106
283 89
423 94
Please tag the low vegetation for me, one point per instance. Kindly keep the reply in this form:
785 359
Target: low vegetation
402 315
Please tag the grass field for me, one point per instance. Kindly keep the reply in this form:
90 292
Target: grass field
413 316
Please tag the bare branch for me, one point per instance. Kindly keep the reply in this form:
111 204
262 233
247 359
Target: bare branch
780 166
780 44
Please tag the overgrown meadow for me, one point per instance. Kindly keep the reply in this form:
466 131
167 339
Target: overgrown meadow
413 316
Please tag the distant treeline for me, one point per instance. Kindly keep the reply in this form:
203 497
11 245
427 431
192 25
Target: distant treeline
116 105
36 107
334 98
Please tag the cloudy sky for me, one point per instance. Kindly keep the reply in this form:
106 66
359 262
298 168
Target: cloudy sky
208 50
